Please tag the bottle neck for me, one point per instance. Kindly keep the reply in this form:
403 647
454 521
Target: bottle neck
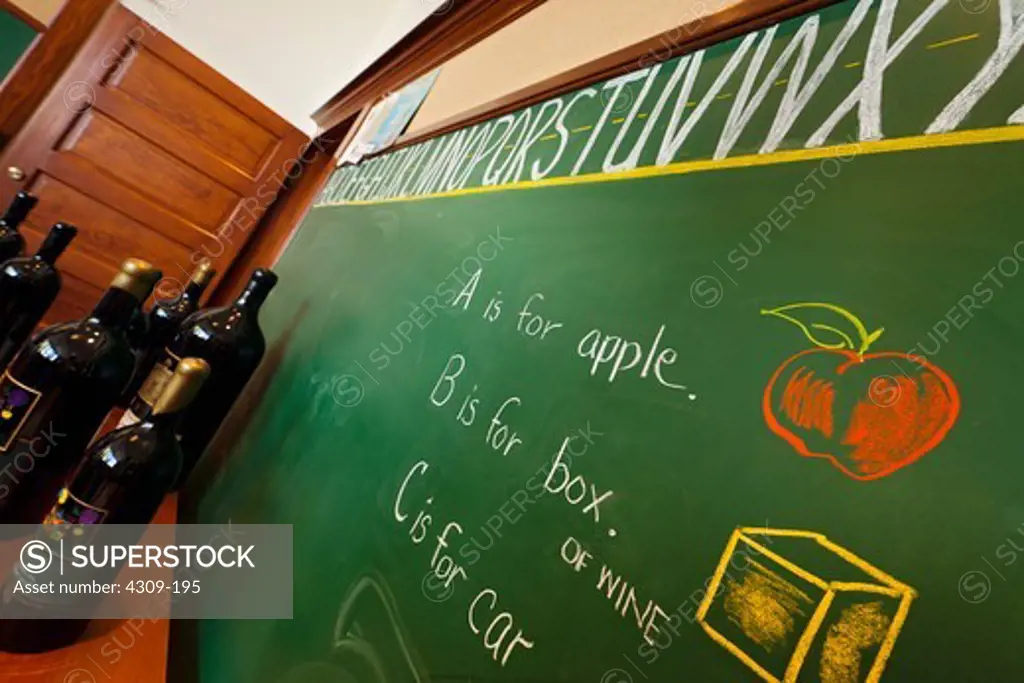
53 246
193 292
18 211
115 309
252 298
260 284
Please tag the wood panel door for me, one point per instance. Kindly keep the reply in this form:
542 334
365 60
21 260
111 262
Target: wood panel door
152 154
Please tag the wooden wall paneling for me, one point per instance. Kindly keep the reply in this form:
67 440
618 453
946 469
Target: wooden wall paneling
45 61
151 153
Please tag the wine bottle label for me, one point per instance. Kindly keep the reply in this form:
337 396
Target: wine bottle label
128 419
17 401
157 380
71 510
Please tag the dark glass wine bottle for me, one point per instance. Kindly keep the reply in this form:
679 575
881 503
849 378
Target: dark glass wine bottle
125 474
28 285
11 241
230 340
56 392
122 479
150 334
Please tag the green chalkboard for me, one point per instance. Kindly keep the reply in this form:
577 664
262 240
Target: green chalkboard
706 419
15 37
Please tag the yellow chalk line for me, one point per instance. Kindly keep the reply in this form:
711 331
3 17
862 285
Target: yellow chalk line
738 653
781 561
916 142
866 567
861 587
785 533
716 578
803 646
890 640
709 596
895 589
952 41
823 540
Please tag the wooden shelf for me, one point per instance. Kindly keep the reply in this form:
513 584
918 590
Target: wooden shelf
111 652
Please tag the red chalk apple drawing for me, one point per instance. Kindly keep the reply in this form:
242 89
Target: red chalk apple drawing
870 414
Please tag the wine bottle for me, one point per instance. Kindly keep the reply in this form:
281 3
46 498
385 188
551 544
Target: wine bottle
56 392
149 334
28 285
230 340
122 479
11 241
125 475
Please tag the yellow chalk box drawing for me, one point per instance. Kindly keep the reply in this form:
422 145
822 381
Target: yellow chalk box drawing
769 605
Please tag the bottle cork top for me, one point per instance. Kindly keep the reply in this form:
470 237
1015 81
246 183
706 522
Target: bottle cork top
203 273
183 386
137 277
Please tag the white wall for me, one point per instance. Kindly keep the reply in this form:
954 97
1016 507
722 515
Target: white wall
292 55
